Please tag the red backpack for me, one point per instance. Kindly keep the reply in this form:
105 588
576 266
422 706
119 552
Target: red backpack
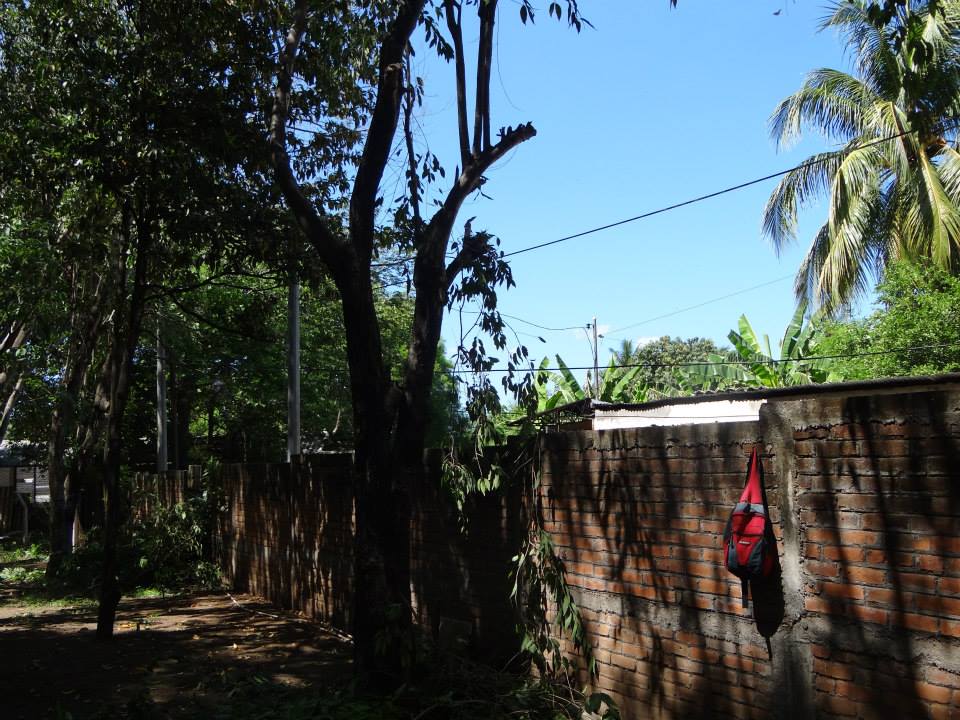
749 546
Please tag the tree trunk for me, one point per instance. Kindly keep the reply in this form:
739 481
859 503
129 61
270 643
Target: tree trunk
8 407
381 600
86 325
161 403
124 339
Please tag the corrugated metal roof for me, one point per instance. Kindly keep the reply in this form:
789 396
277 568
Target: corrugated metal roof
589 407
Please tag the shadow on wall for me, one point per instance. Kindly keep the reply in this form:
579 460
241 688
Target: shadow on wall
639 517
865 621
461 568
288 535
880 509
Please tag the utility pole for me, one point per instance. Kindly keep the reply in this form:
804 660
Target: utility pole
161 403
293 367
596 363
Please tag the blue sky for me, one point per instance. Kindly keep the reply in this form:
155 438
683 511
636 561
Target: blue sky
651 107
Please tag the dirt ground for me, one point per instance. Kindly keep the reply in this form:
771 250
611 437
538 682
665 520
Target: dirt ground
200 656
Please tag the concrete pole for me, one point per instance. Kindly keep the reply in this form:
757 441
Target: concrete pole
161 404
596 363
293 368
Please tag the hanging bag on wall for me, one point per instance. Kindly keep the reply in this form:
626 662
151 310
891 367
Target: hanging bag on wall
749 546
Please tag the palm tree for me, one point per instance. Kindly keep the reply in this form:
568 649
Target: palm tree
624 354
893 184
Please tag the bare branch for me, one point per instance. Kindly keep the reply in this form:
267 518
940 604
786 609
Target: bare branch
15 336
470 179
8 407
383 127
487 10
412 182
456 32
303 210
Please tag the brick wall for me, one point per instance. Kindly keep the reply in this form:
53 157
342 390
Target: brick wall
863 623
288 534
150 490
288 537
865 492
638 516
878 501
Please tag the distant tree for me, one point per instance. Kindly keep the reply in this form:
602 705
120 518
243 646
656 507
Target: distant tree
888 198
662 358
624 352
915 329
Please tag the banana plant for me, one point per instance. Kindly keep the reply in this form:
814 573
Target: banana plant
757 365
560 387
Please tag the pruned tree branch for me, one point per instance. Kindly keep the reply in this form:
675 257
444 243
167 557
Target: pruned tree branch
470 179
453 11
487 10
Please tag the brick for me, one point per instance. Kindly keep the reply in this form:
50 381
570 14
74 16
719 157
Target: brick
844 553
825 684
867 576
856 501
838 705
853 691
950 628
881 596
881 557
920 623
822 569
931 563
936 604
917 543
713 586
737 662
817 605
932 693
841 590
942 677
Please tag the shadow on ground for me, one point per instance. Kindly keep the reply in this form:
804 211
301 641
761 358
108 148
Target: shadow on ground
177 657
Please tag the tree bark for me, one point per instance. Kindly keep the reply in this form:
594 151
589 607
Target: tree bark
86 323
128 318
8 407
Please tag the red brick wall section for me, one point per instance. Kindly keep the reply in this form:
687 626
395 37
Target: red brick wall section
163 489
287 535
879 507
638 516
864 623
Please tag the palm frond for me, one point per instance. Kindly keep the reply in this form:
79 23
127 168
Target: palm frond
933 222
795 189
830 101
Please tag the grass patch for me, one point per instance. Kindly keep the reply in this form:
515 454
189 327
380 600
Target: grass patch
13 551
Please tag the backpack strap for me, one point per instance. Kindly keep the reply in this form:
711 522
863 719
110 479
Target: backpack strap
745 592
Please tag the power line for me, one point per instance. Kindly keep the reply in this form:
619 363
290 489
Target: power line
684 203
698 305
701 198
541 327
723 363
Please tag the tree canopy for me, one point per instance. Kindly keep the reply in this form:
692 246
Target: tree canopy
915 329
893 182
